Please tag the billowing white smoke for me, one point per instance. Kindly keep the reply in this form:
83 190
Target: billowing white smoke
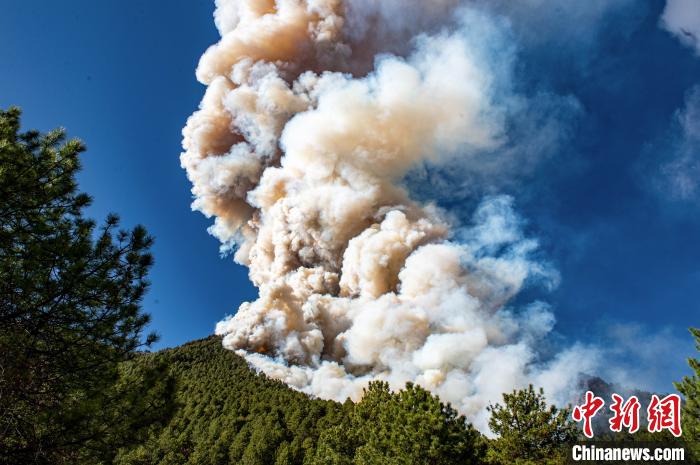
299 156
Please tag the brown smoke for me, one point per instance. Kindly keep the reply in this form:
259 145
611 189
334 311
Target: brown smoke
298 153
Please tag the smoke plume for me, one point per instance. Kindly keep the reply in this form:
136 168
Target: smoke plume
315 111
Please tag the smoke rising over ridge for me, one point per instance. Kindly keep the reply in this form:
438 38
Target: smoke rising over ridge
315 111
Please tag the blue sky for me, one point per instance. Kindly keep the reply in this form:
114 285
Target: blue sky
121 78
614 205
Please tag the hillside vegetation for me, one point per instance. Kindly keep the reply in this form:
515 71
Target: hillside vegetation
222 412
225 413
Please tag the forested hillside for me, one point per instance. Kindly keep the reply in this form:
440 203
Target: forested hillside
225 413
222 412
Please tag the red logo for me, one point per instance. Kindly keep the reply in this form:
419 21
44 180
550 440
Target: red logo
662 414
625 414
587 411
665 414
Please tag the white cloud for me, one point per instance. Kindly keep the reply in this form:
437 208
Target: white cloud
640 357
682 19
680 173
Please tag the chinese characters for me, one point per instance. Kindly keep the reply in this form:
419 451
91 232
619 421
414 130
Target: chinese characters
662 414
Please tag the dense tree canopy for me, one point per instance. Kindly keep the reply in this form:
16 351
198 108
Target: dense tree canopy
70 312
407 427
529 431
228 414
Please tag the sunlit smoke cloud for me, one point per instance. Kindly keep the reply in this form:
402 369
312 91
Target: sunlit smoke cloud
309 125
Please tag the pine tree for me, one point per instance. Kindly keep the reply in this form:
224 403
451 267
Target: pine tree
529 432
690 388
400 428
70 312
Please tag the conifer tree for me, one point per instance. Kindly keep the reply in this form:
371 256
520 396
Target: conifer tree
408 427
412 426
690 388
529 432
70 311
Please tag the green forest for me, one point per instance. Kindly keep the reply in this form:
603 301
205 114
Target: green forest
78 384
